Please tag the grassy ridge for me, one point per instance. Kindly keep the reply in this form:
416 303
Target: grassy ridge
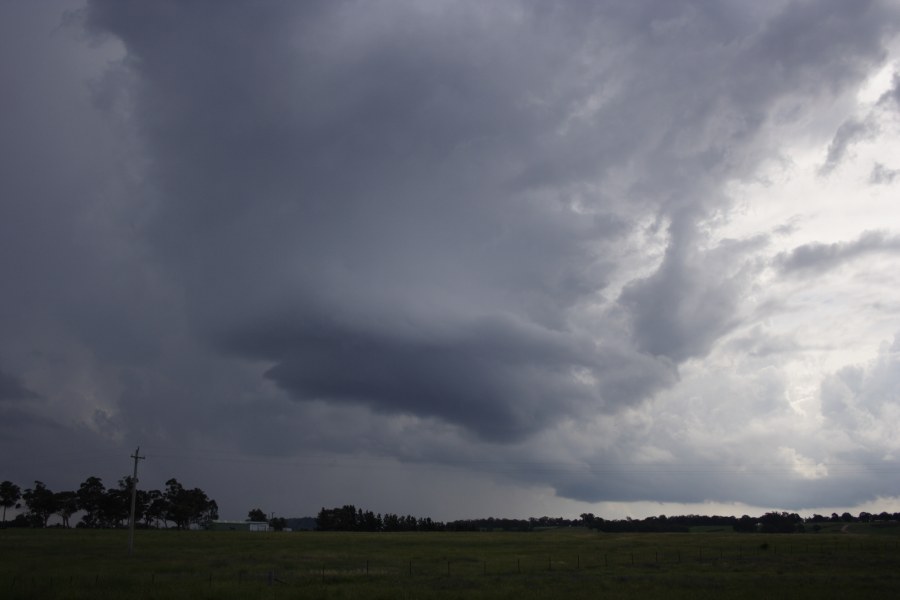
572 563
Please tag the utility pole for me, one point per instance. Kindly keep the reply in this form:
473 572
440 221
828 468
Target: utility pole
134 480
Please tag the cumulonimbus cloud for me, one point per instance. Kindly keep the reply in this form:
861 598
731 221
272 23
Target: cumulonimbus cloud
419 210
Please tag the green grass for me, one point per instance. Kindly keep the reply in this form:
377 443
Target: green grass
573 563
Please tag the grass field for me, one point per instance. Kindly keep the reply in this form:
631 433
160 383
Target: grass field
863 562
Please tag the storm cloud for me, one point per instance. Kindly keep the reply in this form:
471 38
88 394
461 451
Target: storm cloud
819 257
429 233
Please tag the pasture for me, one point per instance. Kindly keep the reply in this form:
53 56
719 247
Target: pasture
861 562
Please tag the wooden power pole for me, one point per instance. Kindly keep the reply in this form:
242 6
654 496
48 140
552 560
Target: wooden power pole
134 480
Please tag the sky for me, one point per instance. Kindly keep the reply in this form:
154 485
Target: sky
455 259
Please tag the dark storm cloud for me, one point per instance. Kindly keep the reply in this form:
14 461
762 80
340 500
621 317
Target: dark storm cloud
497 377
818 258
423 231
19 423
401 177
414 207
12 388
803 36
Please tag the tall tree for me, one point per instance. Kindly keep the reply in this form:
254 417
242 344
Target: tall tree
10 494
66 506
91 498
177 509
156 508
116 505
41 502
186 507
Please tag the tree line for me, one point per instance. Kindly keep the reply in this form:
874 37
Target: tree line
770 522
351 518
108 508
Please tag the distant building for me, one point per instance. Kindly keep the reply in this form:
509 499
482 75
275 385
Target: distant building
238 526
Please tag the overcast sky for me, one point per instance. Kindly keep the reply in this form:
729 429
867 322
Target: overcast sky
455 259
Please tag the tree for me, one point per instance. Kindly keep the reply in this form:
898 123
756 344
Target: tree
188 507
746 524
66 506
204 509
345 518
156 508
256 515
91 498
116 505
177 508
41 503
10 494
781 522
